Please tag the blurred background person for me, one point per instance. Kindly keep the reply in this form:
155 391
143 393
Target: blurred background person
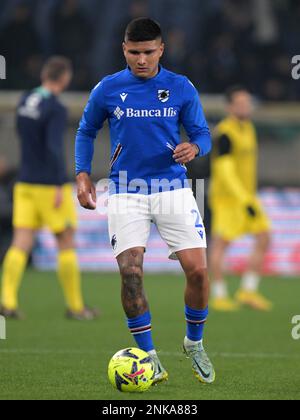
42 195
7 180
236 209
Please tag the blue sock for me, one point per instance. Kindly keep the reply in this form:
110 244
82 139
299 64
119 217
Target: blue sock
140 328
195 320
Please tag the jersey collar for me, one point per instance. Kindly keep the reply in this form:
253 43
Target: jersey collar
141 79
43 91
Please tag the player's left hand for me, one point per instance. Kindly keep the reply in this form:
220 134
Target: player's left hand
185 152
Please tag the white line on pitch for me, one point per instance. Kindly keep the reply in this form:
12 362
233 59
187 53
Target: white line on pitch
163 353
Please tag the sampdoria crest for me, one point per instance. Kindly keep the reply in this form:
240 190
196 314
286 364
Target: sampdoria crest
163 95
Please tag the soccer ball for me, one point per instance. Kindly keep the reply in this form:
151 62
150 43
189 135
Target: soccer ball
131 370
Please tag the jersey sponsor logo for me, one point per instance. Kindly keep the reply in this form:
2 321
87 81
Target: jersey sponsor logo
163 95
151 113
118 113
146 113
124 96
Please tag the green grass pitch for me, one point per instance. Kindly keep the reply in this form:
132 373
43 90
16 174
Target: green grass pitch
48 357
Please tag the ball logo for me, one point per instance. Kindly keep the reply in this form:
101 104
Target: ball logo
296 329
2 68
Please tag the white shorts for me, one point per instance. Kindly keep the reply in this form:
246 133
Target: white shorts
175 214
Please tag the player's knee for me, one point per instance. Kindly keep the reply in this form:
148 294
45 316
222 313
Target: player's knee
23 240
197 276
131 265
65 239
130 271
24 247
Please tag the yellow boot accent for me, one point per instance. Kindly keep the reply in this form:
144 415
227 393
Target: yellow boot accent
253 299
224 305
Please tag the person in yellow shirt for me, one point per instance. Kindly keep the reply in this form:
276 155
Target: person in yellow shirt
236 209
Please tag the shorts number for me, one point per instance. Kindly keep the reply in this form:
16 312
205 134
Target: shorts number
199 226
198 218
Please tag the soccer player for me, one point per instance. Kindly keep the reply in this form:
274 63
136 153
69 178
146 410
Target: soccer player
42 195
236 209
145 105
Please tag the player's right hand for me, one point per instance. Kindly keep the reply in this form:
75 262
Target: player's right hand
86 191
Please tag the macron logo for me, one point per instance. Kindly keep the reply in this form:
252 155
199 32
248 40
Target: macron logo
124 96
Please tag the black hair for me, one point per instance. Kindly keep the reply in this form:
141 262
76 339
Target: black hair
143 29
230 92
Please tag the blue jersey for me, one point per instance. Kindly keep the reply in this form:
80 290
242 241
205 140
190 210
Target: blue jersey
41 122
144 117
